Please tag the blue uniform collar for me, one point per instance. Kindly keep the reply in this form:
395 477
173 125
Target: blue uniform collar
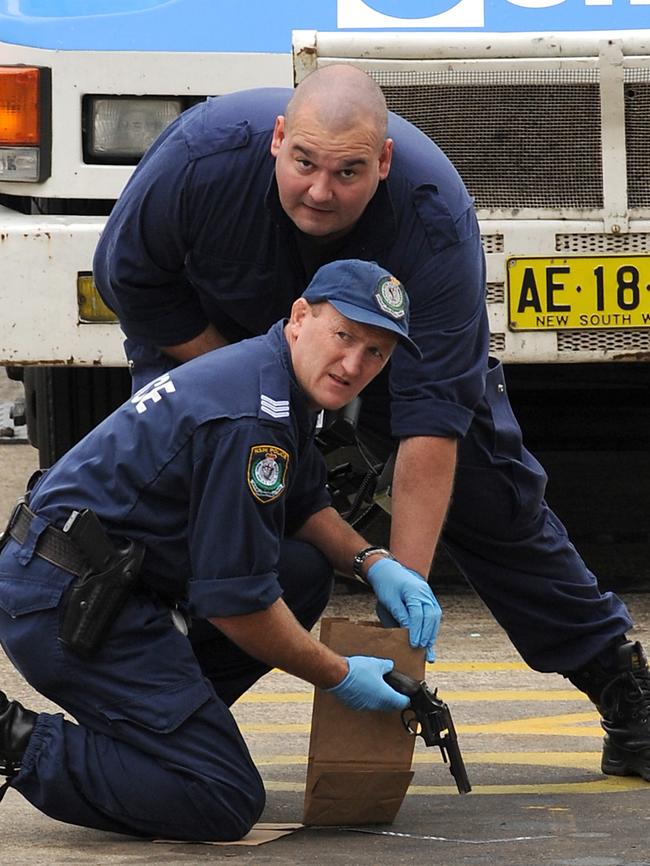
302 413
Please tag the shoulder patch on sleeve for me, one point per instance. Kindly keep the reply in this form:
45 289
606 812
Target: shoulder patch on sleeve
267 472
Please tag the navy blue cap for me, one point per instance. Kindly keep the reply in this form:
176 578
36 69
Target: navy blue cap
365 293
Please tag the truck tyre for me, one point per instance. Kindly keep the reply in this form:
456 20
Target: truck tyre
63 404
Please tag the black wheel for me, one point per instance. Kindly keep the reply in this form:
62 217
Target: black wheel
64 403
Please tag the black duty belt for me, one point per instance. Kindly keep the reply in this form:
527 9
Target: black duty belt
52 545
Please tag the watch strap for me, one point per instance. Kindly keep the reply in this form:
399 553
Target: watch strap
361 557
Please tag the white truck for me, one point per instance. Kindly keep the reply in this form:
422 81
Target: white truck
550 129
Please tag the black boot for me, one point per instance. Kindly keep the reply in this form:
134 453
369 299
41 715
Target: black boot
621 692
16 726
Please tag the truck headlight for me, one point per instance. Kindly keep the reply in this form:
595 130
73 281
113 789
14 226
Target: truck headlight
25 123
121 128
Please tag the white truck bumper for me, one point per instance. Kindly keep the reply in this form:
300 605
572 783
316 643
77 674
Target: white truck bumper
41 258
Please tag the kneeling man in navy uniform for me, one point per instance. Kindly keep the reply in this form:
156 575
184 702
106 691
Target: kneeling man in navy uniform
180 551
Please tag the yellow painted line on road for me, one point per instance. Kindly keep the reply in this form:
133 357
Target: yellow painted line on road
516 695
585 760
276 698
589 761
477 666
566 724
578 760
606 785
467 666
455 697
285 728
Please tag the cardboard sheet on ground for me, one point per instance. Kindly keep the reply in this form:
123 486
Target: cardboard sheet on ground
359 765
260 833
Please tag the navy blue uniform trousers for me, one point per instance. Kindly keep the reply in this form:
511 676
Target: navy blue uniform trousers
515 551
510 545
155 751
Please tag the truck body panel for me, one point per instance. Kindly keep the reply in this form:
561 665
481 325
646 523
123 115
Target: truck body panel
542 105
204 25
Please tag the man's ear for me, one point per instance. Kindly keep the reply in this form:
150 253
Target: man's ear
299 310
385 158
278 135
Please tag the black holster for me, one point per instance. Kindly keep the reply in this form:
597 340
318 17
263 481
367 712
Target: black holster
95 598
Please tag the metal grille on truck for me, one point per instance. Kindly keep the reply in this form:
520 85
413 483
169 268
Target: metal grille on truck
519 138
637 135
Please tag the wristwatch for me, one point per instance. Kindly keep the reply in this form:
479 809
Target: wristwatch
361 557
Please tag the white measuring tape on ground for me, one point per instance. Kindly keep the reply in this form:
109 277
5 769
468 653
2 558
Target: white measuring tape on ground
445 838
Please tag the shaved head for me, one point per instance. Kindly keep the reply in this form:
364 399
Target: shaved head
340 97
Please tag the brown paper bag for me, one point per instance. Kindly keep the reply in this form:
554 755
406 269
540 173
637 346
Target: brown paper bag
359 761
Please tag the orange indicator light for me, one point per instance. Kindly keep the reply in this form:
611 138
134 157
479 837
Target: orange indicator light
19 105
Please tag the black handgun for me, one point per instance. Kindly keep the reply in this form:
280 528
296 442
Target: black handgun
429 717
97 596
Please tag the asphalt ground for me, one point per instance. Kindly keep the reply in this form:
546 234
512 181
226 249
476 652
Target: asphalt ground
531 745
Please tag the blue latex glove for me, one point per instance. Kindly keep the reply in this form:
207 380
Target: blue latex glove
405 599
364 686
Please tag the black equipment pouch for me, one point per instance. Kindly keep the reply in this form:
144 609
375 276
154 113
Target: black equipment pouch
96 597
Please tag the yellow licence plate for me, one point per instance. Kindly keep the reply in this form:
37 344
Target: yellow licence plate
578 292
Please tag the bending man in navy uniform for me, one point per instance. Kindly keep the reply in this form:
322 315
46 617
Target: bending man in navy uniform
220 228
207 470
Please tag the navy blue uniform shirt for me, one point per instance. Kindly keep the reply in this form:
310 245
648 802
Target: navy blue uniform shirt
209 466
199 235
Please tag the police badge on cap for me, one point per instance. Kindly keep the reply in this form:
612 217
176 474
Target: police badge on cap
390 297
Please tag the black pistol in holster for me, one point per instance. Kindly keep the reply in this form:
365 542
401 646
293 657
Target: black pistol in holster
429 717
96 597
